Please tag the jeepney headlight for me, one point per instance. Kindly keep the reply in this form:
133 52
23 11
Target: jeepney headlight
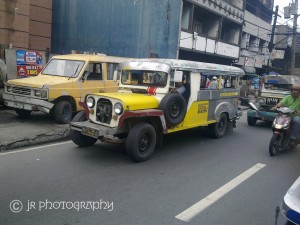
41 93
118 108
90 102
262 101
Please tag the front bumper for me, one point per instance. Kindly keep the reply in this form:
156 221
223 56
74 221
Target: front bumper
27 103
91 129
262 115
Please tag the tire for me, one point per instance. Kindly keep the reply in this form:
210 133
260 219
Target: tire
251 120
174 107
22 113
140 142
218 129
274 144
78 138
63 112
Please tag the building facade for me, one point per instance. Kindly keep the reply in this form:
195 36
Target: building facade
25 24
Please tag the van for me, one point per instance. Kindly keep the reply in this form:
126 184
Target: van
62 84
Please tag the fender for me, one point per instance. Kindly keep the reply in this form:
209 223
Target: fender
278 132
144 113
224 107
85 108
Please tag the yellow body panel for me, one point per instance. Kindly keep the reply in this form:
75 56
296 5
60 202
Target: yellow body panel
196 116
133 101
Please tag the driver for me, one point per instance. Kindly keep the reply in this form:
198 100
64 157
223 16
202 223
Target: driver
292 101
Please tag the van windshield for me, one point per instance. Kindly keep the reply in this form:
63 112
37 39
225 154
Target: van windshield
144 78
277 86
63 68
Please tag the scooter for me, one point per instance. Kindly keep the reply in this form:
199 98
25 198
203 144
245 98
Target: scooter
281 130
290 205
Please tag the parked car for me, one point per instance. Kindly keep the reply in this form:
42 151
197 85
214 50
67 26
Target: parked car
274 89
64 81
146 106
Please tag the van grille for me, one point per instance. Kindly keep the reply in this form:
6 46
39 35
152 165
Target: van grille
21 91
272 101
104 110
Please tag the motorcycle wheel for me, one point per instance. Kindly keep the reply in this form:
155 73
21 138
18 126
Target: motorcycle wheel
274 144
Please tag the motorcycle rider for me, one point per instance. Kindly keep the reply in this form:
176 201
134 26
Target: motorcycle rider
292 101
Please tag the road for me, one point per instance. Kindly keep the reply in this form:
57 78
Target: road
231 180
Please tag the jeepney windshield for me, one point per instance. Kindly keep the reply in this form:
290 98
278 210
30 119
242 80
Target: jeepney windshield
277 86
144 78
63 68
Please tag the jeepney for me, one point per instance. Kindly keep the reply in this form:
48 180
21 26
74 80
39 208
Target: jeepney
145 107
274 89
62 84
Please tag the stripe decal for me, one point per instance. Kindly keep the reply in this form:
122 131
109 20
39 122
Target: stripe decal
151 90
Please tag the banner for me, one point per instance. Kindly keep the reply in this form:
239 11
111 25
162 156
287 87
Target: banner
29 63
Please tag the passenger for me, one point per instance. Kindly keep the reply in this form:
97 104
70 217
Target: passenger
214 84
179 87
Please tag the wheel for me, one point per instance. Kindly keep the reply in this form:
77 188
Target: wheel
218 129
141 141
274 144
78 138
251 120
63 112
174 107
22 113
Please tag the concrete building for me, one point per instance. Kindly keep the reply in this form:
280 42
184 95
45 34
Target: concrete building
25 24
200 30
256 36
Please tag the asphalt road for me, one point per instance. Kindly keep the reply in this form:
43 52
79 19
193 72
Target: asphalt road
233 180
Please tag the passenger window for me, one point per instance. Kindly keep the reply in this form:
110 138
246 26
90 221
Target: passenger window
94 71
111 67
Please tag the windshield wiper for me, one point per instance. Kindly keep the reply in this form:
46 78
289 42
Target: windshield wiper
74 72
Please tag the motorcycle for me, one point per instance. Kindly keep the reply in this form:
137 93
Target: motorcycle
281 130
290 205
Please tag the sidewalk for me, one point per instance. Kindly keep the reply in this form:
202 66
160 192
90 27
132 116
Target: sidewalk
39 128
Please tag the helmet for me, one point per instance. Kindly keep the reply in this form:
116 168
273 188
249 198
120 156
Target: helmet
296 87
214 78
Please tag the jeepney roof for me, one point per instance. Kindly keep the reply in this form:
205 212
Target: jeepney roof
209 68
282 79
90 57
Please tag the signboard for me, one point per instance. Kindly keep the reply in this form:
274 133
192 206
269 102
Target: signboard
277 54
29 63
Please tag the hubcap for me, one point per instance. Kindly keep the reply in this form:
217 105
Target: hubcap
174 109
144 143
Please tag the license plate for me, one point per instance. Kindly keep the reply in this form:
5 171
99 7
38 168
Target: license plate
90 132
268 118
18 105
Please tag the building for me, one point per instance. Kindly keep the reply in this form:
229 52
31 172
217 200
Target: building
200 30
25 24
257 28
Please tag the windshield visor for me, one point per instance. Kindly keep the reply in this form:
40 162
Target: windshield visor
144 78
63 68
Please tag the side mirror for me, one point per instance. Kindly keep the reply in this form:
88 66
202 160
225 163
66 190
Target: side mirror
253 106
178 76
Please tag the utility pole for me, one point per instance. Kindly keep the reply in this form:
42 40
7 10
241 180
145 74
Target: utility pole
293 50
271 44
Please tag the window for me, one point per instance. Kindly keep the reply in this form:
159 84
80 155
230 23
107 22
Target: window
111 67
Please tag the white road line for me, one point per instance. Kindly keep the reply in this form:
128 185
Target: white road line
35 148
197 208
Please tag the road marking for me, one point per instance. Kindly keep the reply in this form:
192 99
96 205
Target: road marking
197 208
35 148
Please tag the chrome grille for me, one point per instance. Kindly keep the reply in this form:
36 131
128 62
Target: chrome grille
21 91
272 101
104 110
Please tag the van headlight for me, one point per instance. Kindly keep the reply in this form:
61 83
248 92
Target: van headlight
118 108
41 93
90 102
262 101
8 88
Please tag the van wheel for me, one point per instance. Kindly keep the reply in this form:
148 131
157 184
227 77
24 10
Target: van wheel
78 138
218 129
141 141
63 112
22 113
251 120
174 107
